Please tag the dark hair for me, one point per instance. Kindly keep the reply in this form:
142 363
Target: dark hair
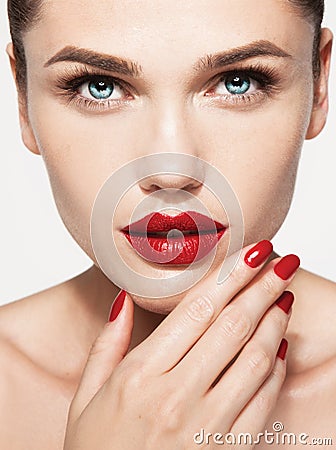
24 14
313 10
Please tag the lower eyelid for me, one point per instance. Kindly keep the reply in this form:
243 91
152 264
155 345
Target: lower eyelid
83 103
235 100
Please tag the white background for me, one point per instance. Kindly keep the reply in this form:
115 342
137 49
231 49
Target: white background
38 252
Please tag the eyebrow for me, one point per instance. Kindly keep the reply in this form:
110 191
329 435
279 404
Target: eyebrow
95 59
134 70
251 50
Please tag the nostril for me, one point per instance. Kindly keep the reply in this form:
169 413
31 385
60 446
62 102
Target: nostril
166 181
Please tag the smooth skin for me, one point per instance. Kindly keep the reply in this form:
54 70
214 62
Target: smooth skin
161 401
46 338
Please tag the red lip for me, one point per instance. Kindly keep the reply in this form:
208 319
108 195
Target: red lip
149 237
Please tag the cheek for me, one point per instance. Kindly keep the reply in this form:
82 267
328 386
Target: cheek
259 153
79 154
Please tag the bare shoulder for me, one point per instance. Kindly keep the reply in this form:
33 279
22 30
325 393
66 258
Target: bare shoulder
24 321
33 400
22 314
310 387
39 327
306 403
28 342
33 406
312 331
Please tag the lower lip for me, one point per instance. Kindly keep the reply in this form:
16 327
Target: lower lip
175 250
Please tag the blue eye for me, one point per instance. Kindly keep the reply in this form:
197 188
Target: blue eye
237 84
100 90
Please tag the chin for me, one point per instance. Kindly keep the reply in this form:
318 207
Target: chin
158 305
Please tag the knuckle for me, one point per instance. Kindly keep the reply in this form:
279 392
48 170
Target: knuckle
131 375
235 323
201 309
240 273
279 374
269 285
260 362
266 399
279 320
265 402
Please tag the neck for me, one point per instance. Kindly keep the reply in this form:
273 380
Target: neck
92 295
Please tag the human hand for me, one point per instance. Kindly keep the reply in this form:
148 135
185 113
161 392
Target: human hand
211 364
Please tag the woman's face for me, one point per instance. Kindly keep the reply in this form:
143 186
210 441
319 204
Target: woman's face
250 126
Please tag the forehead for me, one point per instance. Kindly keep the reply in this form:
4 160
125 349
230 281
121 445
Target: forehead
175 30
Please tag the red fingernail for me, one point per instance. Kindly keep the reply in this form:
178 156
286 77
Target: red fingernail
258 254
117 305
285 301
287 266
282 349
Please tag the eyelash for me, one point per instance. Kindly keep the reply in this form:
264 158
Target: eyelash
74 78
267 77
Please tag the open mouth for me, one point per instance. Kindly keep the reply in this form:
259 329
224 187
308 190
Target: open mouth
181 239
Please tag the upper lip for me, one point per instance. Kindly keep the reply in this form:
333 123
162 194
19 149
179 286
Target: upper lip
189 221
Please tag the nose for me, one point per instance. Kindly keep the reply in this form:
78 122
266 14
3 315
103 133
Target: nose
177 148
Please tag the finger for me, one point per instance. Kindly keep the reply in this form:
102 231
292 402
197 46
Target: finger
245 376
231 330
190 319
107 351
254 416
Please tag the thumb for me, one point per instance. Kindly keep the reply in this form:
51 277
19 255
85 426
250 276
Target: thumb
107 351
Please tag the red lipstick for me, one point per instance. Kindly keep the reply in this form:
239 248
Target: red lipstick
194 235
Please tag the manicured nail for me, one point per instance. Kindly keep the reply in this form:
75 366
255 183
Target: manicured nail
258 254
117 305
282 349
287 266
285 301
